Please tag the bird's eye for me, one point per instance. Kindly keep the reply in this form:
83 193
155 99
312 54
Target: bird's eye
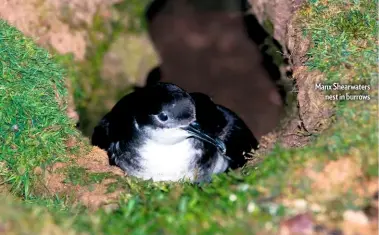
163 116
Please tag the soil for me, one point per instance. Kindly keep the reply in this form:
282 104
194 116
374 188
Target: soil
93 196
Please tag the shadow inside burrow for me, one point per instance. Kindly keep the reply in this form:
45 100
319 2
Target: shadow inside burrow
216 48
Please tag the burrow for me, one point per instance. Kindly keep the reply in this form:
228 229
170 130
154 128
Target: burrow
294 111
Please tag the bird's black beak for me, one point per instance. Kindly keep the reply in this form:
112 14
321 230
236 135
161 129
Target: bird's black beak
195 130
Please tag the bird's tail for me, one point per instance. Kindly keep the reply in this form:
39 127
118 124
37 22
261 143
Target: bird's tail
100 136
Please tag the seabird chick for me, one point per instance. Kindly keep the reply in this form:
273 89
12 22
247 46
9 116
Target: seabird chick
163 133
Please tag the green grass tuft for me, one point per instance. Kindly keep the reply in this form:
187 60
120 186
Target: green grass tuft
34 126
344 38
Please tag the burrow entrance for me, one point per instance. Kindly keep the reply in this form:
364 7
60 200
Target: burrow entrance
239 56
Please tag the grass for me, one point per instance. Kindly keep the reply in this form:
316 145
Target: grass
33 127
252 200
344 43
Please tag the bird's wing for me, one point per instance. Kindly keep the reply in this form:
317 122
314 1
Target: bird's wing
100 135
117 124
211 120
237 137
224 123
204 46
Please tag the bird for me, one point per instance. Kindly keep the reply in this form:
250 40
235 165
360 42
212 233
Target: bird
161 132
227 126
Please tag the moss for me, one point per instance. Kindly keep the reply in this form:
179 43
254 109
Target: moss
271 49
135 10
268 26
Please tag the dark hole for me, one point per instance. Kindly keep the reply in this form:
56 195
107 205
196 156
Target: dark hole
335 232
319 228
216 48
376 195
258 35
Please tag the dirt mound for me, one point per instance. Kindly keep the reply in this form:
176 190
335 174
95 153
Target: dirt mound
85 179
97 161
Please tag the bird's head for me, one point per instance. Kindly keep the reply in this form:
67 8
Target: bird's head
167 114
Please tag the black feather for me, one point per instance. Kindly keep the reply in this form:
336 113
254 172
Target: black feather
223 123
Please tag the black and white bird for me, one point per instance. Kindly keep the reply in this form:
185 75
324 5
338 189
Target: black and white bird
163 133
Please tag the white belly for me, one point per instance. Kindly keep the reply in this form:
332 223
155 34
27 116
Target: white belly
162 162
